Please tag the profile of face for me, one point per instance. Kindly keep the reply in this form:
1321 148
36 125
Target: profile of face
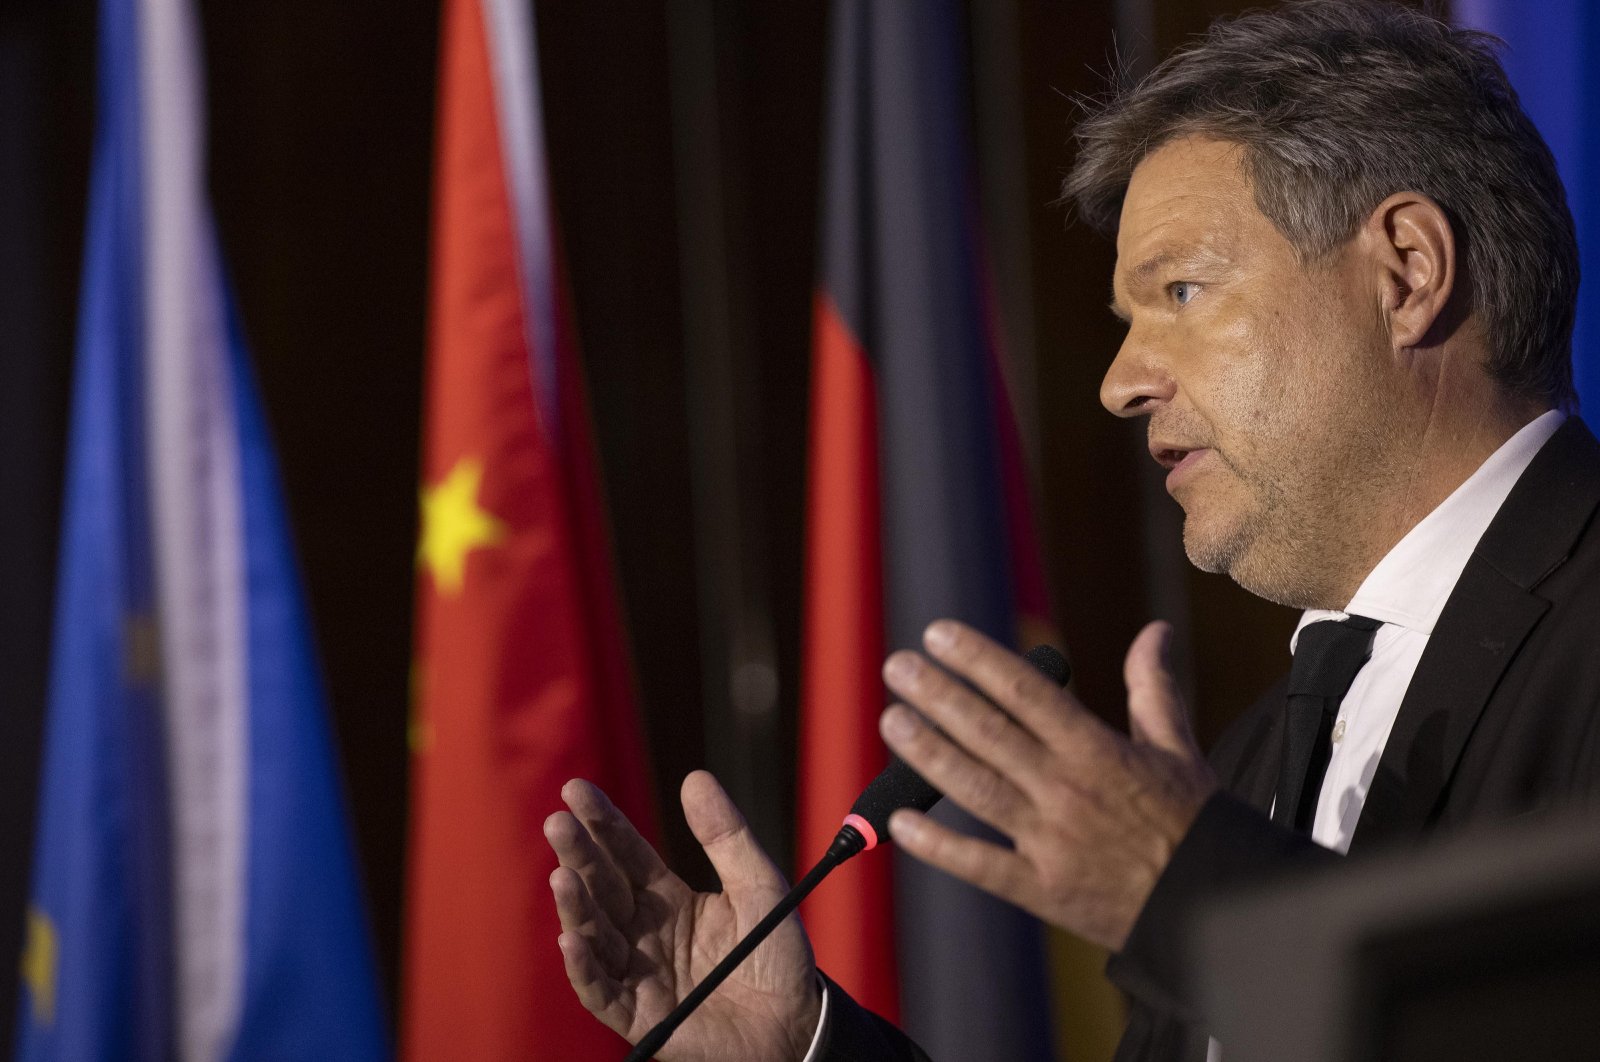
1271 384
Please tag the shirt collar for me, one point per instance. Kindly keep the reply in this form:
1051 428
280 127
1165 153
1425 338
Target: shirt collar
1411 584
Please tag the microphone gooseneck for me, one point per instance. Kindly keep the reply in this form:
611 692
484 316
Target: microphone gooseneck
897 786
848 843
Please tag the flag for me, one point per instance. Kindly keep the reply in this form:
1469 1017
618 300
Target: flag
521 674
194 892
1550 55
916 510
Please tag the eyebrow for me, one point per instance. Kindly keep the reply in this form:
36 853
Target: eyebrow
1155 263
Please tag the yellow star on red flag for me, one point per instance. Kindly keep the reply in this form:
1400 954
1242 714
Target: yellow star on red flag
454 524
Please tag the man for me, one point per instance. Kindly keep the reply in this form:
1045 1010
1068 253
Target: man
1349 276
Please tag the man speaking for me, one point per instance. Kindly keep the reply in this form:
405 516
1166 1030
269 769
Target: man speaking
1349 275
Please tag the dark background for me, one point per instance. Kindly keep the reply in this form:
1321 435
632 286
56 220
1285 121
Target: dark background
683 139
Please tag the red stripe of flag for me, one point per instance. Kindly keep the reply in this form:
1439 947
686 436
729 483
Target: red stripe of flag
851 921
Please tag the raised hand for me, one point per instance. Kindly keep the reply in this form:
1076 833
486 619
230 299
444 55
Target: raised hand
1094 815
636 939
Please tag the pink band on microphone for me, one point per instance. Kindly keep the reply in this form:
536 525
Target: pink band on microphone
864 828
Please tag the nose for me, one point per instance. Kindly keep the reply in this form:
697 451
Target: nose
1137 382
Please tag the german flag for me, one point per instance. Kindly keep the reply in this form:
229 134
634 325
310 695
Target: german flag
917 510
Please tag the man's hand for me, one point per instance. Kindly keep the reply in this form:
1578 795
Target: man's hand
1094 816
636 939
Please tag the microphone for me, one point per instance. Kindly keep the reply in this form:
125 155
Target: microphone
897 786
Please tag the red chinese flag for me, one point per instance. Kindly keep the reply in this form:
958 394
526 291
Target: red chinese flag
522 680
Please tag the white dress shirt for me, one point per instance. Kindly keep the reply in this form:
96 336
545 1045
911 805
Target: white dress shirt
822 1023
1406 592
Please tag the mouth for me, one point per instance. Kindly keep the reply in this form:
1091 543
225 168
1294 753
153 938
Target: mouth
1169 457
1177 460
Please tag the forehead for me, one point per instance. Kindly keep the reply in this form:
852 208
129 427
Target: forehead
1190 196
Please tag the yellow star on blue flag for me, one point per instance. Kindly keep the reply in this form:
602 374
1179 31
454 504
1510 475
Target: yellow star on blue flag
39 966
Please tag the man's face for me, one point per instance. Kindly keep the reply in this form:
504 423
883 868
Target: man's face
1269 384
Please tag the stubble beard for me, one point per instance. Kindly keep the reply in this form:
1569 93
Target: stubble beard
1241 547
1256 552
1294 539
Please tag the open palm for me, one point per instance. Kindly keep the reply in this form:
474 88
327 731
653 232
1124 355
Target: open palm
636 939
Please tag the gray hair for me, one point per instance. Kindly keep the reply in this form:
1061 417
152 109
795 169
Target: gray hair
1338 105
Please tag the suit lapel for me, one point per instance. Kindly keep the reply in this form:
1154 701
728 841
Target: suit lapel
1478 634
1491 612
1246 757
1258 777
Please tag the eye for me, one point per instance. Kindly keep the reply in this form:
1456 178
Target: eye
1182 291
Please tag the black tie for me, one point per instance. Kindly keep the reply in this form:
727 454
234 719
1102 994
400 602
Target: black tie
1326 658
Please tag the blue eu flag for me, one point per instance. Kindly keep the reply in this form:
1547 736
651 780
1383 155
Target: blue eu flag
194 892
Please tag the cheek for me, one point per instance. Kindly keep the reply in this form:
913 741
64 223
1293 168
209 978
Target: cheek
1297 363
1248 388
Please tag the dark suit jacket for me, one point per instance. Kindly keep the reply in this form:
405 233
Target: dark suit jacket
1501 718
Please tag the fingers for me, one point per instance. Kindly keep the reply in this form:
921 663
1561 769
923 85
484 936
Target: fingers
996 870
976 786
983 730
1021 689
600 994
602 880
1156 712
580 914
735 854
629 853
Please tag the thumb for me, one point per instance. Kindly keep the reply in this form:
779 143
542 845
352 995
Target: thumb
726 838
1156 712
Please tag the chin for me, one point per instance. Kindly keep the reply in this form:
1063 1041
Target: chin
1210 548
1265 574
1239 554
1248 540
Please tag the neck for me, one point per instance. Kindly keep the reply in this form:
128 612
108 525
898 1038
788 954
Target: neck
1456 435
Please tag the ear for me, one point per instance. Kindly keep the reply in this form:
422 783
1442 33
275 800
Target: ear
1415 251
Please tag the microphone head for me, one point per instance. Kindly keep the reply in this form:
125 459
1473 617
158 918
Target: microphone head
898 786
1048 658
